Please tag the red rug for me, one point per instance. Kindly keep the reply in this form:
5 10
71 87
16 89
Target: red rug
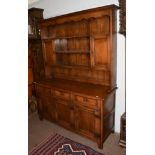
59 145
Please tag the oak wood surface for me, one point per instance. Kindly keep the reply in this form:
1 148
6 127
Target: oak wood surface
78 89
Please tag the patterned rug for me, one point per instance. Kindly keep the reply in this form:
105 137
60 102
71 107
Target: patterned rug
59 145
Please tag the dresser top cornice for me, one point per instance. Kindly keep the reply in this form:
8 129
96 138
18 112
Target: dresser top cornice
115 7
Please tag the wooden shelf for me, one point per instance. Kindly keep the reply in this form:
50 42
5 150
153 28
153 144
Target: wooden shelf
73 51
65 37
72 66
70 37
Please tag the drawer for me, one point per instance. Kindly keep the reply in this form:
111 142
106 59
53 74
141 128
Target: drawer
62 94
44 91
86 101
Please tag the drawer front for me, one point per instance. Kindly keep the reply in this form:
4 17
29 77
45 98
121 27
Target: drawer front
44 91
62 94
86 101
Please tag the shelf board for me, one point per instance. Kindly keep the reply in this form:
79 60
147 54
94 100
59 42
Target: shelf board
82 36
73 51
69 37
72 66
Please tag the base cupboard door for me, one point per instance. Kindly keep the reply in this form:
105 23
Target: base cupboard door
47 108
64 114
87 123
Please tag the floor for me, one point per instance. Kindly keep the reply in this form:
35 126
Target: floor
39 130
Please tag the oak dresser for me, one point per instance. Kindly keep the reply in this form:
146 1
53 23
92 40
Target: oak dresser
78 88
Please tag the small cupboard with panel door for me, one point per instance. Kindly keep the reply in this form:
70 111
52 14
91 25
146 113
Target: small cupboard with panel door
78 90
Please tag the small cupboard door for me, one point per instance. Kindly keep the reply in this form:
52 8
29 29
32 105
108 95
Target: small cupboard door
100 55
47 108
64 113
87 123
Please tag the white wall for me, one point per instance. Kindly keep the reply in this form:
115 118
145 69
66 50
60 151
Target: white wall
58 7
30 2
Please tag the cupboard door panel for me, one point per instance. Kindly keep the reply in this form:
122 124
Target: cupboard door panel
85 123
47 108
64 114
101 51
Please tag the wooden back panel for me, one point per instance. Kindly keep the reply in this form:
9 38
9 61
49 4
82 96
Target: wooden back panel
80 46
